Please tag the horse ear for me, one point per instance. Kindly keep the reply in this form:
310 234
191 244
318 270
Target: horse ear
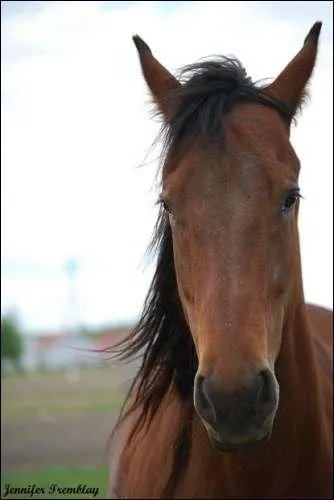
290 85
159 80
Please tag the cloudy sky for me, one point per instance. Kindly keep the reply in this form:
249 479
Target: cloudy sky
77 169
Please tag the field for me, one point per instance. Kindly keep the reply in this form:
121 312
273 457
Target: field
55 429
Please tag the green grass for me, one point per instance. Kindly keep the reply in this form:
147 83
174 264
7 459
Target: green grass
61 477
57 408
54 394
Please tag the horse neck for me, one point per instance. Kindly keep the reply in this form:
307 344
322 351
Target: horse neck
298 374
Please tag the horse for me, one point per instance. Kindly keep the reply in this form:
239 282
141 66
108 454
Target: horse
233 396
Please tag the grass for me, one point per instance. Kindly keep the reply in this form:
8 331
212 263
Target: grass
57 393
34 415
53 481
56 408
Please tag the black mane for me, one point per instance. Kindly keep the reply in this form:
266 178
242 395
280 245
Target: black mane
169 362
209 90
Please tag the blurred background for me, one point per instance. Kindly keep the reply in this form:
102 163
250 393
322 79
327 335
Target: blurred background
78 195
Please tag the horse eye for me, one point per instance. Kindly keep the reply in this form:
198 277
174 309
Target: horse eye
290 200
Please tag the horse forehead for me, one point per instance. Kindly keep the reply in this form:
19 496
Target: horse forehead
260 132
226 171
256 153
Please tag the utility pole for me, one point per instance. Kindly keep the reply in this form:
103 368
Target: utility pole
72 319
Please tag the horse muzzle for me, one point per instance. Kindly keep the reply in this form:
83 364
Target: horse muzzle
237 420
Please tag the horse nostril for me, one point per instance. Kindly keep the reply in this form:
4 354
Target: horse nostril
202 400
265 387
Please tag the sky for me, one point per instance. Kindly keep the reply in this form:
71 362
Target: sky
77 166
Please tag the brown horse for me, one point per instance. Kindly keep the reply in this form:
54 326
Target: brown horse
233 398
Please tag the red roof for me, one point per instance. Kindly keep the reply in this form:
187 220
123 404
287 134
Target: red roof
109 338
47 341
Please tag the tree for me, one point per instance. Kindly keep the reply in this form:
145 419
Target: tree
11 342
